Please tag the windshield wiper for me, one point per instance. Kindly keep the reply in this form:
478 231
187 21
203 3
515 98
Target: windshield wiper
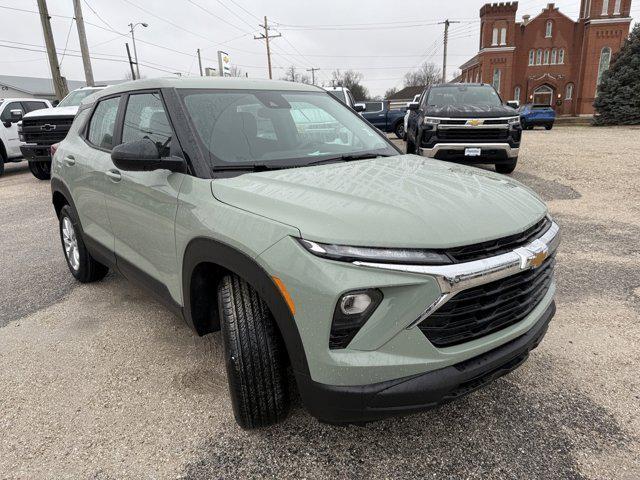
254 167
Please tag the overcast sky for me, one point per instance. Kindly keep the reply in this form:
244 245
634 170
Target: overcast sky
383 39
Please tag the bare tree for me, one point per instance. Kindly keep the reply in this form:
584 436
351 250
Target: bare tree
390 91
351 80
236 71
426 74
291 75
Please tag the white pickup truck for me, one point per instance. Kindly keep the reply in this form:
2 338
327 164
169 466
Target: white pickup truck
11 112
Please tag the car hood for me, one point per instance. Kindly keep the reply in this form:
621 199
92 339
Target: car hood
471 111
53 112
400 201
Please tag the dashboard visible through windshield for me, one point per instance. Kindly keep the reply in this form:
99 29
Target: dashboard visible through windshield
286 128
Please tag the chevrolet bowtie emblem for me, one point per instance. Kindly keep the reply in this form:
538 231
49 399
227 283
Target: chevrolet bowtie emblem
538 259
474 122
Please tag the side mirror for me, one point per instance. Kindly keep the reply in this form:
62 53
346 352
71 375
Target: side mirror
415 106
16 115
359 107
55 103
143 156
513 104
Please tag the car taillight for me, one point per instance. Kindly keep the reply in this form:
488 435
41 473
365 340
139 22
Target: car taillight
53 149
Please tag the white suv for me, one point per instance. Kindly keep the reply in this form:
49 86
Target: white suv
11 112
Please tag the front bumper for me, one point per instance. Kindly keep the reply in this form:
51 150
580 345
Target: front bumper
495 151
362 403
36 153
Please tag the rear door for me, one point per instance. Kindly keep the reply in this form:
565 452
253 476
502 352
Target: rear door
11 129
84 162
142 206
375 114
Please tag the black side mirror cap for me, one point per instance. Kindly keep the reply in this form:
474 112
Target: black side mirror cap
415 106
359 107
143 156
513 104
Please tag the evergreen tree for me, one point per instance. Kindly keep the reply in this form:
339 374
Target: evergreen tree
618 100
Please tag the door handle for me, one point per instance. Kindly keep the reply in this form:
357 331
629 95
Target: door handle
114 175
69 160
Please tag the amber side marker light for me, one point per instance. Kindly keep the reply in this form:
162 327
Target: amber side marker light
285 294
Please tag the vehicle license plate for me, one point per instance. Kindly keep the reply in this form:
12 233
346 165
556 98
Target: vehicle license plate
472 152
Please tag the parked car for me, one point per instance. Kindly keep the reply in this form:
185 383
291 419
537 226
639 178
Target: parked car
42 128
537 115
11 112
345 96
385 283
385 119
467 123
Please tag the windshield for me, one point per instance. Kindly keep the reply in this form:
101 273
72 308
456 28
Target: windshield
75 97
339 94
268 128
473 95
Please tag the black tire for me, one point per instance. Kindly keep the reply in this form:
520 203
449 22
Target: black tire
40 170
549 126
255 355
1 163
506 168
87 269
399 130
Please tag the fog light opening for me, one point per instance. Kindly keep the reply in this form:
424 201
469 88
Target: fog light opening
355 303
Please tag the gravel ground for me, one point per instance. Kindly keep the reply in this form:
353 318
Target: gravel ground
99 381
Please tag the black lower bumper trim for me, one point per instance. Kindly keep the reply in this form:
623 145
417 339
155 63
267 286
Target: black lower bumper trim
362 403
39 153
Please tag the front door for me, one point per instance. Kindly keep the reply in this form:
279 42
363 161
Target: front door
142 206
11 129
543 96
375 114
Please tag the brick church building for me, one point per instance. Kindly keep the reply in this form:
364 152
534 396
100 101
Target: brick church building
549 59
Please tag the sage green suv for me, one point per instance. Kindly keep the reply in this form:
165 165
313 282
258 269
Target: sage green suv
385 283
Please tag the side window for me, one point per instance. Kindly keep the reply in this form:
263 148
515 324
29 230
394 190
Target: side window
6 113
145 117
102 124
31 106
373 107
353 100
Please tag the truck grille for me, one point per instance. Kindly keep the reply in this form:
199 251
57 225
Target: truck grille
499 246
45 131
480 134
485 309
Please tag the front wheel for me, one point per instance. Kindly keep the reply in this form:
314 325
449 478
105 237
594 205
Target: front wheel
1 163
80 262
399 130
41 170
549 126
411 148
506 168
254 355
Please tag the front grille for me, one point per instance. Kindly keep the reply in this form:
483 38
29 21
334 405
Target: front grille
485 309
499 246
473 134
40 131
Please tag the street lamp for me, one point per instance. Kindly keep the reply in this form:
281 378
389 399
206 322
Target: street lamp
133 39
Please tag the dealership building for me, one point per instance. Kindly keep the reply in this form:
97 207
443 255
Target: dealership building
549 59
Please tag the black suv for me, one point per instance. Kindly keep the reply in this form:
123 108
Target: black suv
465 122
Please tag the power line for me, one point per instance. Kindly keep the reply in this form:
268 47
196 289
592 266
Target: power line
66 43
209 12
98 15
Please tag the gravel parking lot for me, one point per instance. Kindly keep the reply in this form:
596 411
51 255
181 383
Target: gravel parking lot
100 381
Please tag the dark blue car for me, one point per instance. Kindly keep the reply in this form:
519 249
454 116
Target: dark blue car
536 115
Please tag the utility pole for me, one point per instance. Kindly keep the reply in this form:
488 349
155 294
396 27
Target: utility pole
265 36
84 47
313 74
133 72
447 22
200 62
59 85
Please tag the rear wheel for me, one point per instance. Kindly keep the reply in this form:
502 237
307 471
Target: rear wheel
399 130
411 148
2 160
507 168
41 170
254 355
549 126
80 262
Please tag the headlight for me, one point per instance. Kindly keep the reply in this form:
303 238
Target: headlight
514 121
344 253
431 121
